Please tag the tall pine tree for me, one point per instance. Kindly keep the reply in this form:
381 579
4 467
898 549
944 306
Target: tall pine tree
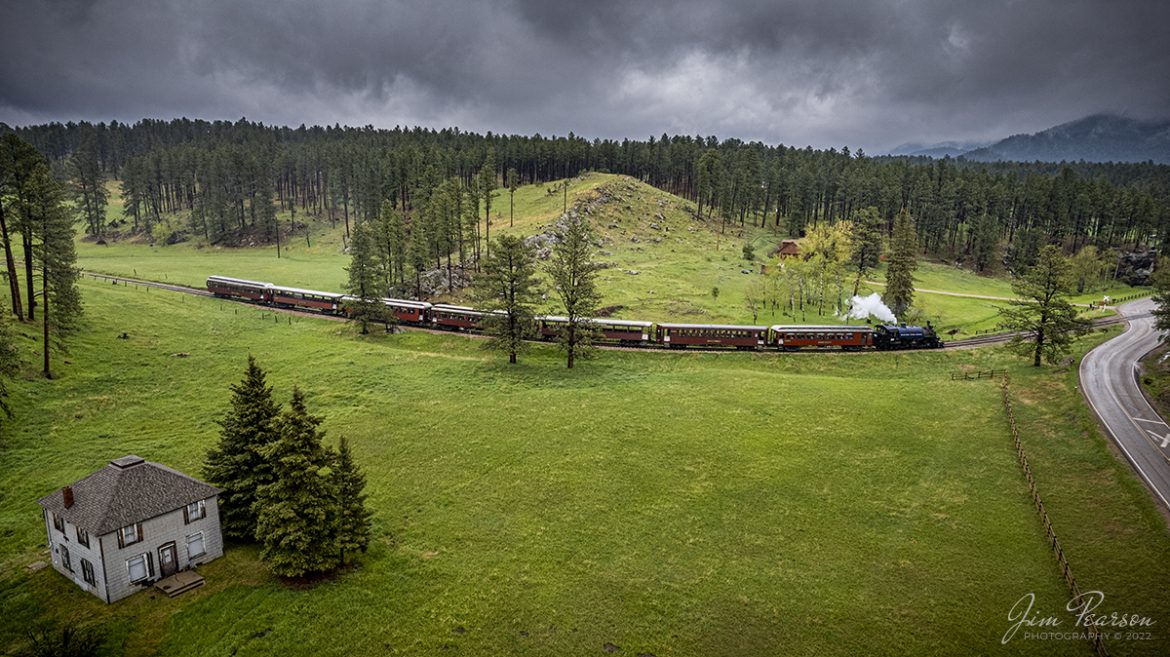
366 279
297 513
54 255
1042 313
903 262
574 273
507 285
353 518
238 464
87 188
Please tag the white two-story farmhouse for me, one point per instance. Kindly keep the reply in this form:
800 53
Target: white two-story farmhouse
130 524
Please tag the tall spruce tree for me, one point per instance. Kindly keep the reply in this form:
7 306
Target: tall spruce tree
353 518
366 279
87 189
867 245
297 512
17 160
487 187
54 255
513 181
508 285
238 463
1042 313
902 264
574 276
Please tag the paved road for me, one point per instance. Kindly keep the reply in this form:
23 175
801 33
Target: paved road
1109 384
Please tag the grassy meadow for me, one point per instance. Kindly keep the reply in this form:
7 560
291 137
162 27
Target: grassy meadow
661 503
661 264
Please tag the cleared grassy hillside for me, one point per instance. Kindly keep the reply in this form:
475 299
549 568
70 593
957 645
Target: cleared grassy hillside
662 263
667 504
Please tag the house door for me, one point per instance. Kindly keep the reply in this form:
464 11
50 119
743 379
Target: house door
167 561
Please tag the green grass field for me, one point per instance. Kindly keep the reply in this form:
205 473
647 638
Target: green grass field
678 261
669 504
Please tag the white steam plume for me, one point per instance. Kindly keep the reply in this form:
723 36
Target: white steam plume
871 306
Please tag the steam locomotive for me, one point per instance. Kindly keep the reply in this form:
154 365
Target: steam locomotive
606 331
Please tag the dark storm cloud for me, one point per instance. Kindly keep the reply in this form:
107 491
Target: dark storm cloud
825 72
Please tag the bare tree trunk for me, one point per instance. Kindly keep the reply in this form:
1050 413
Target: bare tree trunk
45 319
10 264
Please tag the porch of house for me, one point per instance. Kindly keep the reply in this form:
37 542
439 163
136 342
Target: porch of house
179 583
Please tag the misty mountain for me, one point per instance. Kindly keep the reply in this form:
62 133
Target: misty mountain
938 150
1097 138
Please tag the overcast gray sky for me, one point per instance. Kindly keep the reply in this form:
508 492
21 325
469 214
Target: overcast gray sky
862 73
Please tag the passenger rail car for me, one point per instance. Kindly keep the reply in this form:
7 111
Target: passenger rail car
849 338
621 331
223 286
613 331
292 297
711 335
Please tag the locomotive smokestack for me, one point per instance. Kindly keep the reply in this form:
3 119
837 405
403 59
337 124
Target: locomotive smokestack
67 496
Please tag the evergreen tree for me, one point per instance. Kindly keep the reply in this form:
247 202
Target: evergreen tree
902 263
237 464
867 244
507 285
513 184
1042 312
17 160
487 187
1160 281
54 255
984 243
574 273
297 513
87 189
353 518
366 279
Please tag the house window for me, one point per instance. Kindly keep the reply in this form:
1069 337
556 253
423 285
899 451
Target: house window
196 511
59 523
65 561
195 546
82 536
130 534
87 572
136 568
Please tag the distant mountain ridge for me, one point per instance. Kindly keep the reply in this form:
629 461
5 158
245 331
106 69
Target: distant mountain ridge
941 149
1097 138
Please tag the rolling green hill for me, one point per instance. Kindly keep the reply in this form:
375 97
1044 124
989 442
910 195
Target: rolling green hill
666 504
661 263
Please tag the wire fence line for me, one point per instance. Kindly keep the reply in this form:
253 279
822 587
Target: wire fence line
1095 637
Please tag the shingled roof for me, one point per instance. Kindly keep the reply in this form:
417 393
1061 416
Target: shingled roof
126 491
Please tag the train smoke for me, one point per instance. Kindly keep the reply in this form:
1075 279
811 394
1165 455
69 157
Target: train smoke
870 306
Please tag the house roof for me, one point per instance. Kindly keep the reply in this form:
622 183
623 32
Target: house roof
128 490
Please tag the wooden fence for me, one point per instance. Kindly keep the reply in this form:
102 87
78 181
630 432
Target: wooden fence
975 376
1053 542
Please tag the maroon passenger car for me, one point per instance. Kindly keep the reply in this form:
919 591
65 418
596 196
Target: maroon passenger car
308 299
848 338
711 335
608 330
238 288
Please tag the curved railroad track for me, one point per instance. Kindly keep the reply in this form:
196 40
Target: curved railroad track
966 343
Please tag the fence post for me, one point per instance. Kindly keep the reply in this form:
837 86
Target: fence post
1095 638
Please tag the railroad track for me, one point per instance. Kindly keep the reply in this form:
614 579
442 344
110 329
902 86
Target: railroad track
966 343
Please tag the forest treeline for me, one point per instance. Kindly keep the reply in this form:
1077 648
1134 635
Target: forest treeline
231 179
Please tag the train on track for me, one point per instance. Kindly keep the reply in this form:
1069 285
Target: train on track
622 332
